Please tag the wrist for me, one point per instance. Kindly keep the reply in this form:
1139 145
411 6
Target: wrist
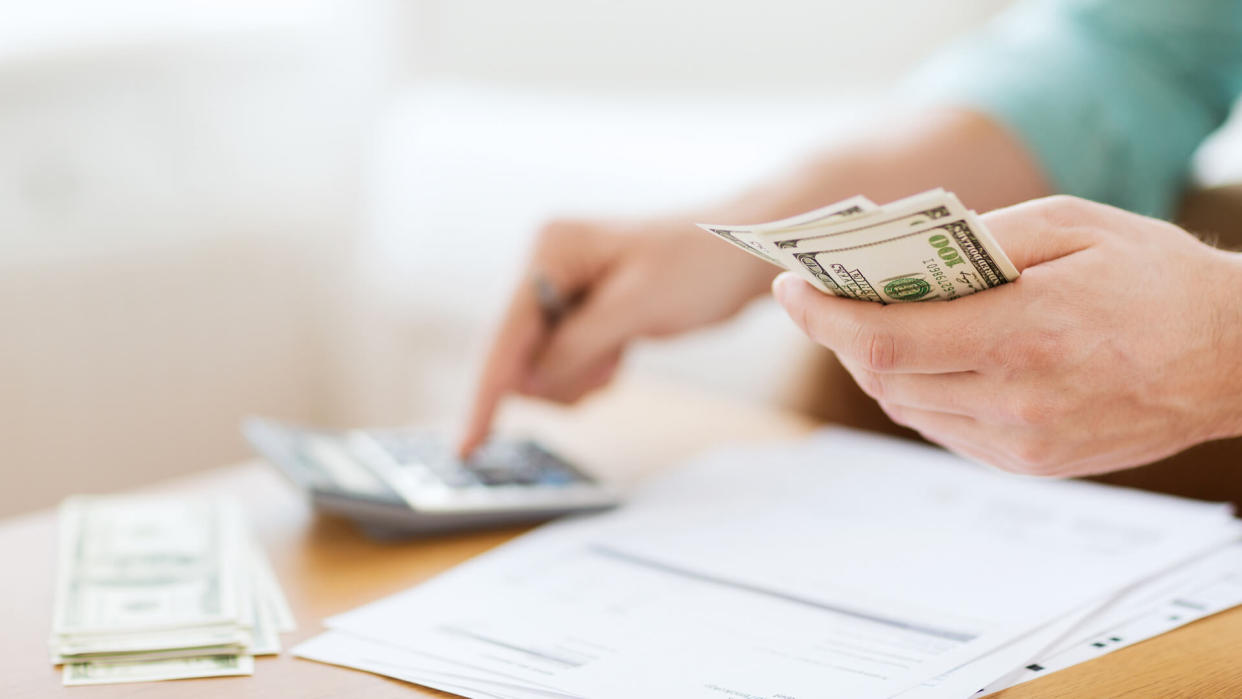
1229 323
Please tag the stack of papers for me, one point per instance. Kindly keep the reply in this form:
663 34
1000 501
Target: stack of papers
843 565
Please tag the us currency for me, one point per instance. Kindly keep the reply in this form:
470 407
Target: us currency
756 239
267 589
161 588
146 564
94 672
922 248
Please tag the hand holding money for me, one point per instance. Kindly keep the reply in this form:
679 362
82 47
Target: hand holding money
1120 344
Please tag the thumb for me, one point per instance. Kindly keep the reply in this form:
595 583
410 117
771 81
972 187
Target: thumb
1042 230
608 318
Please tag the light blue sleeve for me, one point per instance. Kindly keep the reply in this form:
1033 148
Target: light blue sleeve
1111 96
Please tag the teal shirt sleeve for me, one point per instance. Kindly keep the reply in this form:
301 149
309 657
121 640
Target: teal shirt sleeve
1112 97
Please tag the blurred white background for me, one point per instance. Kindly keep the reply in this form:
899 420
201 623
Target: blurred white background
314 209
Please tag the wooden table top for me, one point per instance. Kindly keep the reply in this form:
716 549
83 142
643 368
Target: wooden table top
326 566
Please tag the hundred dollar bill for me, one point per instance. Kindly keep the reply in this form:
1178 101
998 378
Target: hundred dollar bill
268 590
902 215
145 564
266 611
146 671
758 239
922 248
172 643
945 260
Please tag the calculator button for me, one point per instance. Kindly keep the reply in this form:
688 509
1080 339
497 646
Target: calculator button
452 475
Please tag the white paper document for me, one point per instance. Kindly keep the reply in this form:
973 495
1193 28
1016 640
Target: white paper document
841 566
1205 586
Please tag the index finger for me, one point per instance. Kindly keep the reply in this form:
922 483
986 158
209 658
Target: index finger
924 338
1042 230
508 362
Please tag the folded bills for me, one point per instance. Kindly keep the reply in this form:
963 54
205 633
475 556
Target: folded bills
926 247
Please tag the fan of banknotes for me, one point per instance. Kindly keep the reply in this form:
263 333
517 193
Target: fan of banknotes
157 588
922 248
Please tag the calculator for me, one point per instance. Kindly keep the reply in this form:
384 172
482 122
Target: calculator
398 482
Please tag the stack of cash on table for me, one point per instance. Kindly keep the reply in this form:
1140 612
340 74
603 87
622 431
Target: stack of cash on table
156 588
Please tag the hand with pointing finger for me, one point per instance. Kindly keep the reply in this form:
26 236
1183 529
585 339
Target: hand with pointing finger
1120 344
628 280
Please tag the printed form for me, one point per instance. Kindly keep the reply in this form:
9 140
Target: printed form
844 565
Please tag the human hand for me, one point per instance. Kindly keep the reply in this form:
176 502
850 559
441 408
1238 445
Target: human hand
1120 344
629 279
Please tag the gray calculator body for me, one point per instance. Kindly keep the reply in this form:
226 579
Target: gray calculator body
403 482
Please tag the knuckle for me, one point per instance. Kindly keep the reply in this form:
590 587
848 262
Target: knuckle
872 384
999 354
876 350
558 231
1038 349
896 413
1030 456
1065 209
560 398
1087 218
1032 410
572 396
565 392
1006 464
1165 229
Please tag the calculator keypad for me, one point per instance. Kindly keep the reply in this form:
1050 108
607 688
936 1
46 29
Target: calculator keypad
493 465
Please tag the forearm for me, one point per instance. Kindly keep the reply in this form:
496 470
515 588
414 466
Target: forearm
962 151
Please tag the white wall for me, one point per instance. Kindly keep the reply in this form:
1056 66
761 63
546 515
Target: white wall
785 46
178 183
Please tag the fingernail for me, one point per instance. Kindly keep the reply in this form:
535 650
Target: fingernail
783 285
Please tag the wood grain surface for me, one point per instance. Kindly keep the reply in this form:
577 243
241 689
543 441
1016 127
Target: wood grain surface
326 566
